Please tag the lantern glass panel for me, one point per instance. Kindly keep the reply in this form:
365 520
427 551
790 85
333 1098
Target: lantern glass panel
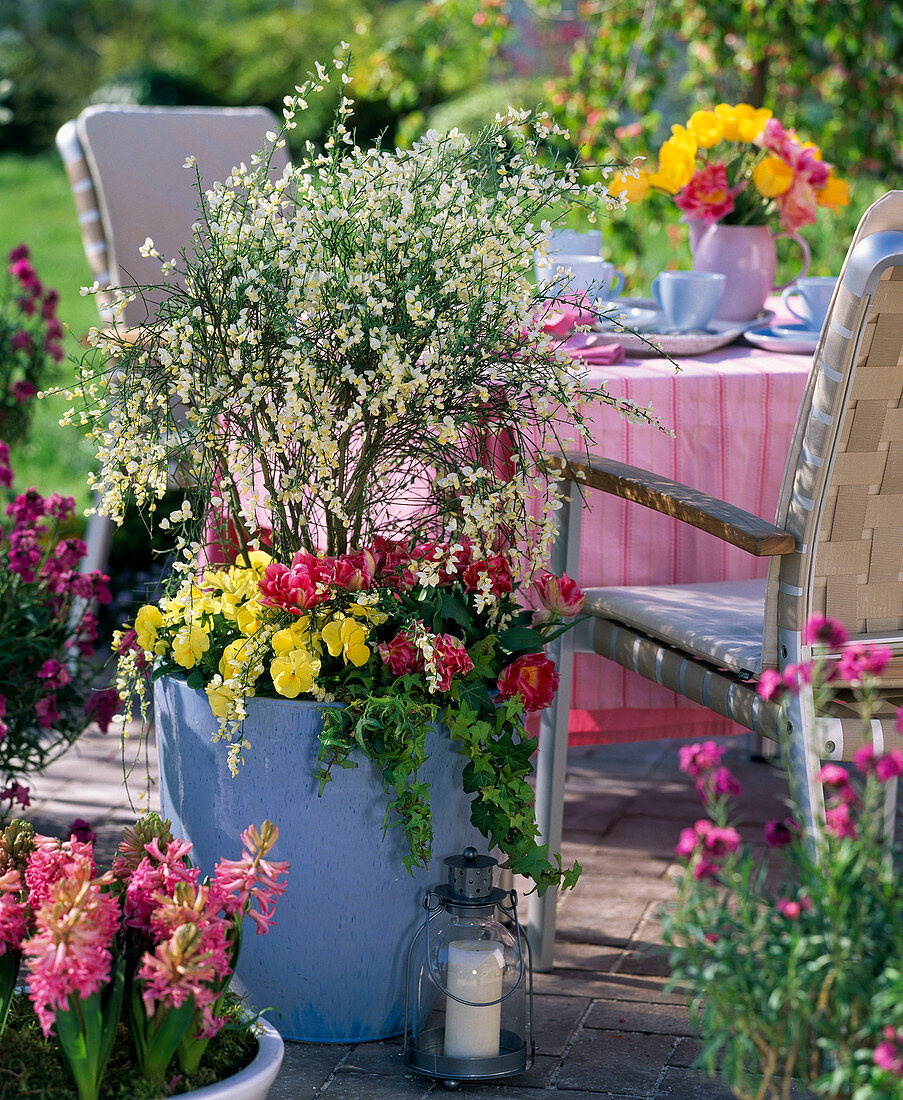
476 959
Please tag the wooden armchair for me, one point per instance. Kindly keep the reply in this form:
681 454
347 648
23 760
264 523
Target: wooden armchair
835 548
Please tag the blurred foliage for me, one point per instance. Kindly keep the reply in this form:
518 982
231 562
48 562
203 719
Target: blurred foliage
830 68
59 55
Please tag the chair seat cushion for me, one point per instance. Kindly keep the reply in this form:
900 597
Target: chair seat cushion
720 623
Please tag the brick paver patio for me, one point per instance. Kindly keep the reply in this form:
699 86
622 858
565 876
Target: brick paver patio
603 1025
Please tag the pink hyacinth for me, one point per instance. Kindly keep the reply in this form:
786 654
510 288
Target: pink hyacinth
54 860
158 873
254 877
183 966
12 912
69 954
450 659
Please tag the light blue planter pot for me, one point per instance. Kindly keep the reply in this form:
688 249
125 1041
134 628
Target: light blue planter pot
333 966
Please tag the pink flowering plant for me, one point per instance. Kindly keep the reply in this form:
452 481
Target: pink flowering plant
46 697
149 939
798 975
30 342
405 637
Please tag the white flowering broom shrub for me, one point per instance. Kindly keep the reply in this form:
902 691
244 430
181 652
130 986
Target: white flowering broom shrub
353 349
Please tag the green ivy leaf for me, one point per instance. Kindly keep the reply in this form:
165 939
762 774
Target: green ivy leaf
520 639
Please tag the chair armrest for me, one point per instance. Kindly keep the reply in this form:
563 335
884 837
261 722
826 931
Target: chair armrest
717 517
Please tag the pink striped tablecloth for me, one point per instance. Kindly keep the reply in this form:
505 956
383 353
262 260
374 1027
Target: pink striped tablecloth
732 412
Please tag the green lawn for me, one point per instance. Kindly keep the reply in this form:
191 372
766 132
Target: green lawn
38 210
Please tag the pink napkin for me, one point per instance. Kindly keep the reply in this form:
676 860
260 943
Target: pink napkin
563 319
564 316
603 354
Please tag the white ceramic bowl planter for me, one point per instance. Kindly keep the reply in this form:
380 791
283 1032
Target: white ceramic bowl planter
256 1079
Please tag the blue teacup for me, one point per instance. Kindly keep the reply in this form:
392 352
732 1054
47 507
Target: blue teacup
688 299
815 292
579 275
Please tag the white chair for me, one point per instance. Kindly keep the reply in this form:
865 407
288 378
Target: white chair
836 549
126 169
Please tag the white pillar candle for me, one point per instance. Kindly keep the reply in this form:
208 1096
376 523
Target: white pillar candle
474 974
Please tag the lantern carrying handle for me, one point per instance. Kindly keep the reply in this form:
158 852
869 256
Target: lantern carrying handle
512 909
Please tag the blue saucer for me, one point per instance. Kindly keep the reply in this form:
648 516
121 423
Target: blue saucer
794 331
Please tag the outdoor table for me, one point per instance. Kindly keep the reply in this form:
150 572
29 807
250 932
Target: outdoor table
732 412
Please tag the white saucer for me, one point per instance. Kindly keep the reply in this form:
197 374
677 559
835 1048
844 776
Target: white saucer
802 341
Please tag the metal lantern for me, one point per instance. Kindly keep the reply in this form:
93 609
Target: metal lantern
469 991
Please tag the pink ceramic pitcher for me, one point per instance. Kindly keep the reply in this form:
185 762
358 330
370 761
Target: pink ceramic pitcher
746 255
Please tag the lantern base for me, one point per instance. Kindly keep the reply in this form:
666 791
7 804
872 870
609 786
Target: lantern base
424 1055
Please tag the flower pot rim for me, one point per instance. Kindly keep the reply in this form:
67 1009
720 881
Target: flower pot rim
259 1074
319 704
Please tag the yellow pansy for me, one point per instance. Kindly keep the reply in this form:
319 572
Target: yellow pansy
221 697
260 559
190 644
367 614
772 176
634 187
228 604
742 122
247 617
292 637
346 638
294 673
834 194
240 660
706 127
147 622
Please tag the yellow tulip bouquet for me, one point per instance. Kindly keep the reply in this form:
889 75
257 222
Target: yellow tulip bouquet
738 165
